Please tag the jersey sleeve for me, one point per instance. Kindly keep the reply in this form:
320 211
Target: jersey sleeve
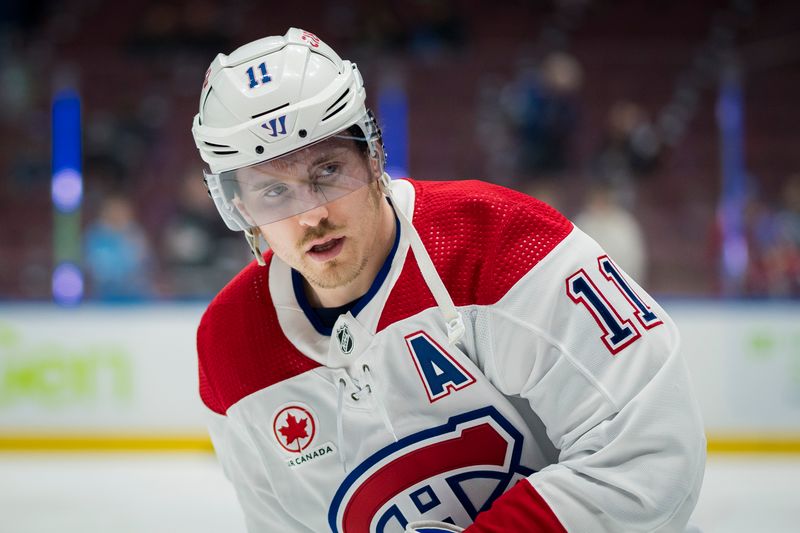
247 473
234 360
599 363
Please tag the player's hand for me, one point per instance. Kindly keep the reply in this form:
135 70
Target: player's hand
432 526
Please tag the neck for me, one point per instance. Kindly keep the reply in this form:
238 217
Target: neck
382 245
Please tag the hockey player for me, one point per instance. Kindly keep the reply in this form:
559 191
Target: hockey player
419 351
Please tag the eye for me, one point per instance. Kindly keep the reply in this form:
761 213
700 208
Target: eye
328 170
274 191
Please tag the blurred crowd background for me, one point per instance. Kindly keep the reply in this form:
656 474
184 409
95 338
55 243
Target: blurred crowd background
612 111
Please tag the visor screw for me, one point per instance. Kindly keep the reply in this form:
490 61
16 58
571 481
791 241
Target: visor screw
302 134
259 149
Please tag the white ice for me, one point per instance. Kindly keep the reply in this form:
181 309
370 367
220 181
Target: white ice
168 493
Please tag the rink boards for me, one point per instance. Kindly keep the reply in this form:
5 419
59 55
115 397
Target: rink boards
112 377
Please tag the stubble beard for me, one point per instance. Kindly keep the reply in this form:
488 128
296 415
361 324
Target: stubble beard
333 273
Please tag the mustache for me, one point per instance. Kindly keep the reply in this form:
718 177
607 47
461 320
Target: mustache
323 229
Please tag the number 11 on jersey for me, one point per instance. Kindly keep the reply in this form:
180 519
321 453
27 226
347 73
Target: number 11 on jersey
618 332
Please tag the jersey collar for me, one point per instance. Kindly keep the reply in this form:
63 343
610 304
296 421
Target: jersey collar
311 315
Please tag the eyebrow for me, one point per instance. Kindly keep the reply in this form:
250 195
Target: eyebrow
261 184
327 154
264 180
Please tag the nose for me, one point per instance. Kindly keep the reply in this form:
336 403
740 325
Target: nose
313 217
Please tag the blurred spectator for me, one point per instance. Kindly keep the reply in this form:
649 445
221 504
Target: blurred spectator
200 254
630 148
616 230
118 257
773 240
494 136
541 108
789 215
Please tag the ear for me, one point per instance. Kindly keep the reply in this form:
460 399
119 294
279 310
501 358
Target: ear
376 163
374 167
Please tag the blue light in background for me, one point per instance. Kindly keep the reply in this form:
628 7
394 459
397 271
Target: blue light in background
66 189
67 284
393 113
66 132
734 195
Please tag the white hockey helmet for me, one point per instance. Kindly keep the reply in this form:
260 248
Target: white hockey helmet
270 98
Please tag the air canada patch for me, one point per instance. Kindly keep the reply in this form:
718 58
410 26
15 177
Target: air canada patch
311 455
294 426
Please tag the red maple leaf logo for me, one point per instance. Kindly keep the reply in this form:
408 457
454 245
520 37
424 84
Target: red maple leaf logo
294 430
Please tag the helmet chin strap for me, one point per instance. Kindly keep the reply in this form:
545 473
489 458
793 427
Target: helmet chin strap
252 237
453 319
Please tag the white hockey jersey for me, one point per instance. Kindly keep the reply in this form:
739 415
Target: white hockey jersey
565 406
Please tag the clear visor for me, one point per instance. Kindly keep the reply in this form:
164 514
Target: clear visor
296 182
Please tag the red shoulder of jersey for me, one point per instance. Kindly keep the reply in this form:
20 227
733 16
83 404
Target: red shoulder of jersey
241 348
482 238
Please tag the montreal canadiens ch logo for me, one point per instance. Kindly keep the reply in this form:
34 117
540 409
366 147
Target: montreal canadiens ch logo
294 426
447 473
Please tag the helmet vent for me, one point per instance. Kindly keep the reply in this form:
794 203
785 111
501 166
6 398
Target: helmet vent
226 152
270 111
329 115
216 145
337 100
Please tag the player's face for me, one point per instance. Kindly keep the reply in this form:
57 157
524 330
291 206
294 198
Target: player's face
333 244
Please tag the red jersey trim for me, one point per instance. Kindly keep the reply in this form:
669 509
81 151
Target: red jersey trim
482 239
240 345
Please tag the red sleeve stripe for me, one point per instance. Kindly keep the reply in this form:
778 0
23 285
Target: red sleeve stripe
519 509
